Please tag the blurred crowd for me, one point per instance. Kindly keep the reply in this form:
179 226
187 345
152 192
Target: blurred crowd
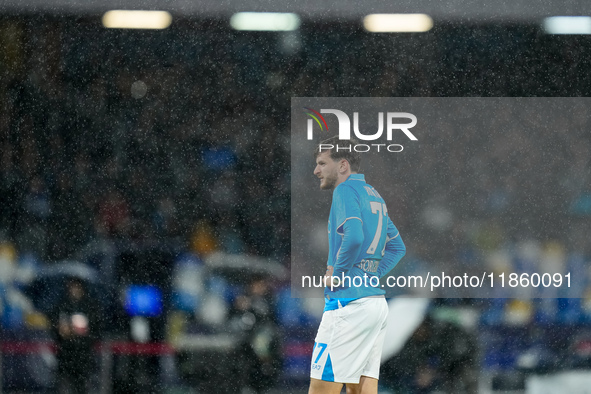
140 135
140 146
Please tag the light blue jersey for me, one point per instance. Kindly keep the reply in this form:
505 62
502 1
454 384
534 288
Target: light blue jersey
363 242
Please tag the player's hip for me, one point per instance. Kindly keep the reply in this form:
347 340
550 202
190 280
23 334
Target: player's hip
366 311
349 341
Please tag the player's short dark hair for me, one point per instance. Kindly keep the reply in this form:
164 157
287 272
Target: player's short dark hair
345 151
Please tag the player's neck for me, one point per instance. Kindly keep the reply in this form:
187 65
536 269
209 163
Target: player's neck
342 178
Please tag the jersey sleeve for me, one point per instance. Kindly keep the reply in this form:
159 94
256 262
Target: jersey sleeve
347 209
393 252
346 206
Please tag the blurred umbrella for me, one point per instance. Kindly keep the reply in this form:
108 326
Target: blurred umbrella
50 283
242 267
70 269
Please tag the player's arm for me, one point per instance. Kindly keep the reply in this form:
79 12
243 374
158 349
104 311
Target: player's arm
351 246
350 227
394 250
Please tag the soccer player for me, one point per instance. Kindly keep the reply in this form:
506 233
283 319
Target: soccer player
364 245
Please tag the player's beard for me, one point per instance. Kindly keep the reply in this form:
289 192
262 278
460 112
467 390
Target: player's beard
329 181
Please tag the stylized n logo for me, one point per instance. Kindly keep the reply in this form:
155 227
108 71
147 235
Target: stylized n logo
315 116
344 123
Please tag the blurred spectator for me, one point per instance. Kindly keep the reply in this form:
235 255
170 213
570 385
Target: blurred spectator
438 356
69 221
37 204
113 214
223 196
203 239
11 190
75 321
165 218
8 258
259 352
229 234
36 210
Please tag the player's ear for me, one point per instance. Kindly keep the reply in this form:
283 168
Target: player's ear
344 165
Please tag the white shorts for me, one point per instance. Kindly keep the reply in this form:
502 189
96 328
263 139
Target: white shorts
349 341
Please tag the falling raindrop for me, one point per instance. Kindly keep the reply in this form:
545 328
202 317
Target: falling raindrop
138 89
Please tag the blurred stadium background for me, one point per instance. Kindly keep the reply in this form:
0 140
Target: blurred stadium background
154 165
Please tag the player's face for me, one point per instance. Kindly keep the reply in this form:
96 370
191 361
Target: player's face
326 170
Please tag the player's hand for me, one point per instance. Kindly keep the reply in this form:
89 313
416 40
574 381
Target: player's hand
329 280
332 281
